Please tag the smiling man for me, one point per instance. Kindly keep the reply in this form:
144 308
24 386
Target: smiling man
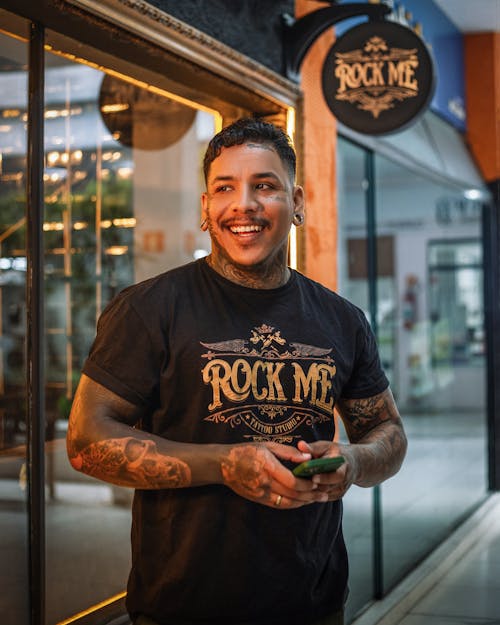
249 205
207 385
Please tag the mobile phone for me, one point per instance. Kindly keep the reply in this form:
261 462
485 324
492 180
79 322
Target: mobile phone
318 465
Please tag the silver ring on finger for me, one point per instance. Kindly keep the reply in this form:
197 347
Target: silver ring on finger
277 503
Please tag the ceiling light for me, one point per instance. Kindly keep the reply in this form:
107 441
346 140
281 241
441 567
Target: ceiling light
473 194
117 250
124 222
52 158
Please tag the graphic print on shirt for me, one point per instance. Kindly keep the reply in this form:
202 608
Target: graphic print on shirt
268 386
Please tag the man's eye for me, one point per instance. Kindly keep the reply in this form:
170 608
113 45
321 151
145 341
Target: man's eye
263 185
223 188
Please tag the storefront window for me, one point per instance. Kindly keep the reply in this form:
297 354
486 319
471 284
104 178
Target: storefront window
431 310
14 607
122 187
425 303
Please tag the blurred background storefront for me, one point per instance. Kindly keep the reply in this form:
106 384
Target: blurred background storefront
105 111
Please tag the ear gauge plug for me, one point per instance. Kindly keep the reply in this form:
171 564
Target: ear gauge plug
298 219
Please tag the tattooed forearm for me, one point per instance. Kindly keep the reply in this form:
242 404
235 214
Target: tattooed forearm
131 462
375 430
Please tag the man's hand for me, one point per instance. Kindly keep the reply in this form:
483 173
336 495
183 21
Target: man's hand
333 484
376 450
255 472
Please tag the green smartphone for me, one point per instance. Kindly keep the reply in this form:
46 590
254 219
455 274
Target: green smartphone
318 465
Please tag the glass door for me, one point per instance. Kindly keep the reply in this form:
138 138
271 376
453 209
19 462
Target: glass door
421 289
431 336
122 186
13 427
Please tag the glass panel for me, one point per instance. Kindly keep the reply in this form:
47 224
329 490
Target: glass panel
353 284
431 341
14 607
430 314
121 205
455 303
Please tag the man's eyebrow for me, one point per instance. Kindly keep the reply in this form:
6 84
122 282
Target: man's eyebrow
220 179
266 174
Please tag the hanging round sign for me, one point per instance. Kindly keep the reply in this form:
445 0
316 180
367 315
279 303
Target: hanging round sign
378 77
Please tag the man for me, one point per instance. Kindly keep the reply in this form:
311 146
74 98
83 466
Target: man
206 385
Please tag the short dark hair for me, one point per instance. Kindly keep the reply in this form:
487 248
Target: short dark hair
251 129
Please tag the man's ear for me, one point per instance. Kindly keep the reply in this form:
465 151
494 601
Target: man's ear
298 205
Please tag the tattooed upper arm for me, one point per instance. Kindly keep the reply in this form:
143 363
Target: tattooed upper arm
361 416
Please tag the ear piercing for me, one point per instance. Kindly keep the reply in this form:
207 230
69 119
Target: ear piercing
203 224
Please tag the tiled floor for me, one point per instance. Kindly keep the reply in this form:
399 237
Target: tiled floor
469 592
459 585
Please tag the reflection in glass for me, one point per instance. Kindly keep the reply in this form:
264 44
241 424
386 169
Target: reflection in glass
122 187
13 494
455 302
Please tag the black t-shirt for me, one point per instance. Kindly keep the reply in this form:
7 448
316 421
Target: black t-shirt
217 362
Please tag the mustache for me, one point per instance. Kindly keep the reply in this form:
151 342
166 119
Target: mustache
246 221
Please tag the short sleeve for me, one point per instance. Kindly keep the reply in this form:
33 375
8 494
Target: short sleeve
123 357
367 377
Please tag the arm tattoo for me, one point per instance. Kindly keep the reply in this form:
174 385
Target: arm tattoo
242 470
374 426
121 460
362 415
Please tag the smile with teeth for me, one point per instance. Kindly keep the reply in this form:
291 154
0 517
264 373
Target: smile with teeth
245 229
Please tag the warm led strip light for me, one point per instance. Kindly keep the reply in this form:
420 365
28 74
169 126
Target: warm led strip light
92 608
292 239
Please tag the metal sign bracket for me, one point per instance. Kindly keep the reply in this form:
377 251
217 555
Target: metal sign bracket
300 34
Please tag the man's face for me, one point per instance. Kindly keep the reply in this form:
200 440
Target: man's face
249 205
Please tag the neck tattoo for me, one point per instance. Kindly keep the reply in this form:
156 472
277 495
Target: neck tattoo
269 276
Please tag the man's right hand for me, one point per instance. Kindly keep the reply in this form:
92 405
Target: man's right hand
255 472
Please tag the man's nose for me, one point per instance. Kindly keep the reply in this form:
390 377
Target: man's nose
245 198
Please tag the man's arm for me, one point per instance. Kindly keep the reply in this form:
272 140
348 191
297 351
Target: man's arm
374 428
103 442
376 449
